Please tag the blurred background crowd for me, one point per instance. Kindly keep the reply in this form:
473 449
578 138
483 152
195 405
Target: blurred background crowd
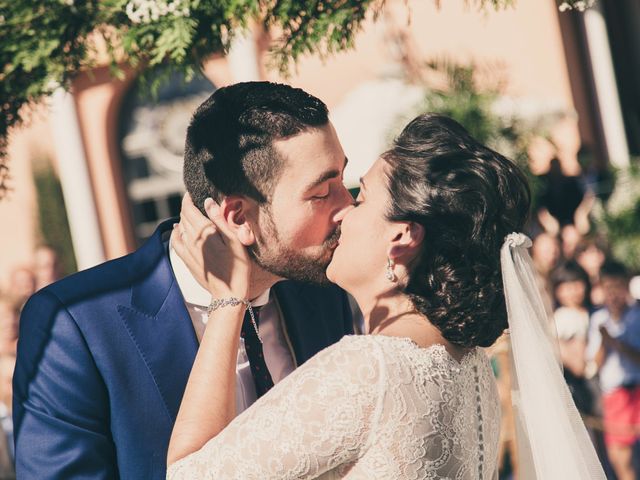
23 281
95 170
593 301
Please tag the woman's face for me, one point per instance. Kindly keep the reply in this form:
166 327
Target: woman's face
366 234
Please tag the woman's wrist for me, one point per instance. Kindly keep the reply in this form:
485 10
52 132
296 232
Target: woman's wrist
226 314
226 301
228 292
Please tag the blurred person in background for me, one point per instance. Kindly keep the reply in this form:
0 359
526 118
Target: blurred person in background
545 253
46 266
7 365
590 255
9 322
564 204
571 294
565 137
540 152
560 198
9 318
614 346
634 288
22 284
570 239
500 356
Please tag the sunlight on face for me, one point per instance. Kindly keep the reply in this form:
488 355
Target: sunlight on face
298 231
365 237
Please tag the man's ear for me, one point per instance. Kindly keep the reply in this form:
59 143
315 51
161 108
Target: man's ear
234 210
406 241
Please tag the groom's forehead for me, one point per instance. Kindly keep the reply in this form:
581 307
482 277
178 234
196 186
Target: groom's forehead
308 140
311 151
304 176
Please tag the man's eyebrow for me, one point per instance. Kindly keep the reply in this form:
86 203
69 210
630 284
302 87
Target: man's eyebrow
328 175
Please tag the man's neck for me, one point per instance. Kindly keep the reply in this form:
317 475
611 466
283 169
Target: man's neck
261 280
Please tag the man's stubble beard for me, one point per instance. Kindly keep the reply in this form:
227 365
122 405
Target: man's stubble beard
272 256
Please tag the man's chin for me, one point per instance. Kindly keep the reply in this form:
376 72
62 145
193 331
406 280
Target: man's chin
297 267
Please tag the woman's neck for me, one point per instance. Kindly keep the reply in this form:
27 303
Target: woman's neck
394 315
383 311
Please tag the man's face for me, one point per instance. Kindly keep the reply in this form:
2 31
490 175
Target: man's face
298 230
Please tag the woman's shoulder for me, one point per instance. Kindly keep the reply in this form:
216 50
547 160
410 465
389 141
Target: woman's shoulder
353 367
392 353
367 345
383 356
349 351
369 359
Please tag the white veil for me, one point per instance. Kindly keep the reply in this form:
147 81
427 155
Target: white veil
552 440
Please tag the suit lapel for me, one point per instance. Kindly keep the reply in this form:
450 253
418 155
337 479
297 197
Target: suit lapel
160 326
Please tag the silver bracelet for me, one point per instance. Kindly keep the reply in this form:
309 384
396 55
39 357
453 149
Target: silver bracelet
234 302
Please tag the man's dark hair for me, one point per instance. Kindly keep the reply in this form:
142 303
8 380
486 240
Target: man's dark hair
229 146
614 269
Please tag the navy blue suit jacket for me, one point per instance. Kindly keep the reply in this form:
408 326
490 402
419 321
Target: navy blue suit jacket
103 360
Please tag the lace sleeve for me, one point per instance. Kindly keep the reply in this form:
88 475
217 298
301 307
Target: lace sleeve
317 419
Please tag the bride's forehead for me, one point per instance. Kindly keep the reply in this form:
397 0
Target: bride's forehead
375 174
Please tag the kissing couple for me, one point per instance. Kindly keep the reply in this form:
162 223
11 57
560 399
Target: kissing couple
223 347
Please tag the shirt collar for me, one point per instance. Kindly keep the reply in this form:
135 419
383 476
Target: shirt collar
192 291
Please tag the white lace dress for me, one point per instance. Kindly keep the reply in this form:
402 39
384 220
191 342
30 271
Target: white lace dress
368 407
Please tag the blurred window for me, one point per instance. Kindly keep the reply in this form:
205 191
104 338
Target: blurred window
151 134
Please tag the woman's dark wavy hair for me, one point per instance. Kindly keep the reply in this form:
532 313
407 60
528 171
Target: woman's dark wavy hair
468 198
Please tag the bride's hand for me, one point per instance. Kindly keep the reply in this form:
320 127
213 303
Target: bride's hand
211 250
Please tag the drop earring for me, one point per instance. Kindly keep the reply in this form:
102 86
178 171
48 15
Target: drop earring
390 275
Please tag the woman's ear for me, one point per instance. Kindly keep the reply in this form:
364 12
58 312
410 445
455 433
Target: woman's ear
406 242
234 211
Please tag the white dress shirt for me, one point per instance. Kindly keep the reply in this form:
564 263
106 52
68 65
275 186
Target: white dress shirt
277 352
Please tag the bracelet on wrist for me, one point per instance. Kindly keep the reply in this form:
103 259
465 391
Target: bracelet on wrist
234 302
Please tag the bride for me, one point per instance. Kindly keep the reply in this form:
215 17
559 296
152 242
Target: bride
428 252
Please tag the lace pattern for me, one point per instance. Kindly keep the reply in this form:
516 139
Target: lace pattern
368 407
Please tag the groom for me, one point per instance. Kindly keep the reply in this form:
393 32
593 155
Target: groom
104 355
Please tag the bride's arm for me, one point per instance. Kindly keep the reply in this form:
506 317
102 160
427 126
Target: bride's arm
209 404
320 417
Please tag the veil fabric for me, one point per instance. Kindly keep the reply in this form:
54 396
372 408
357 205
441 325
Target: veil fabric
553 443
